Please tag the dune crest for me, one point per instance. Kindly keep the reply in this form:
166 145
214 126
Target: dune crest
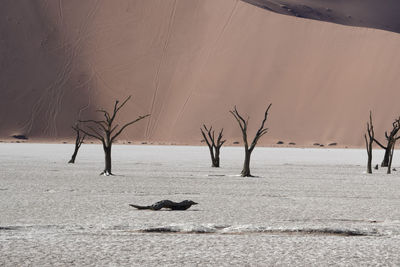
376 14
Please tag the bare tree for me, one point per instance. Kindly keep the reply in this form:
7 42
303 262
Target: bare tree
391 140
249 149
369 141
212 145
389 170
78 142
106 131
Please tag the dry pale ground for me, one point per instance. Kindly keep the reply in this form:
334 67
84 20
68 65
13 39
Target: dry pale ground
307 207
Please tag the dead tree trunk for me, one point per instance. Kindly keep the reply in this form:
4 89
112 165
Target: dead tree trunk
107 160
246 164
386 157
78 142
391 140
213 146
389 170
369 141
106 131
249 149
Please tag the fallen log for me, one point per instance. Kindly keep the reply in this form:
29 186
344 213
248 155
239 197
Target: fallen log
167 204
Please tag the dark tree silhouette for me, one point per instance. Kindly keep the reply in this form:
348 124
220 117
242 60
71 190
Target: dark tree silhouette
389 170
78 142
106 131
167 204
249 149
209 137
391 140
369 141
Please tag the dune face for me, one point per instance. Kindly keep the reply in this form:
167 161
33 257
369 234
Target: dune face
364 13
188 63
42 79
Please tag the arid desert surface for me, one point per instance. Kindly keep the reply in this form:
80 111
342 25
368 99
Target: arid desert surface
306 207
324 66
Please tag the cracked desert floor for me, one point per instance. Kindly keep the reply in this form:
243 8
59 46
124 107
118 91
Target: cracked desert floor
306 207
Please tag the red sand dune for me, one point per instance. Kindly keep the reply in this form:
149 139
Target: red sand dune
190 62
379 14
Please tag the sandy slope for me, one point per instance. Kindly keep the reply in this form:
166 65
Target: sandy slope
188 63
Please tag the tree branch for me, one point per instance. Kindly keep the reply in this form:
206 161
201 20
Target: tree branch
219 142
240 120
100 123
261 131
92 135
113 129
95 132
117 108
379 144
81 140
212 138
126 125
123 103
205 137
106 114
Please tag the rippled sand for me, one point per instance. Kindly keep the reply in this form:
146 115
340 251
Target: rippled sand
306 207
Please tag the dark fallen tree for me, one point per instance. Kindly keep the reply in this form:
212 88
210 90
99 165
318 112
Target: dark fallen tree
213 145
78 142
167 204
369 141
249 149
391 140
107 132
